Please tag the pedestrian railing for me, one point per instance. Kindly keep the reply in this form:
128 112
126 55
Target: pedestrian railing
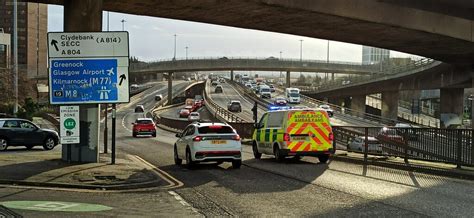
453 146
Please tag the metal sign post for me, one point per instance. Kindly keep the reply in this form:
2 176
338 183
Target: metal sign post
69 128
114 114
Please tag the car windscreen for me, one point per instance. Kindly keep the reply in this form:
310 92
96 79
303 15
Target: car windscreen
265 90
144 122
235 103
294 94
215 129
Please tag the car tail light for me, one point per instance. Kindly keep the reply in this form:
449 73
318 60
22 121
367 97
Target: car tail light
286 137
331 136
197 138
236 137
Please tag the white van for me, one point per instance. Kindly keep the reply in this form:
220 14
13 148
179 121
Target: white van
265 91
293 95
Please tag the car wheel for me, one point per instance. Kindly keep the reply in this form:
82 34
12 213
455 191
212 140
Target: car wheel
3 144
189 160
29 147
297 158
134 135
49 143
323 158
236 164
256 154
153 135
277 153
177 161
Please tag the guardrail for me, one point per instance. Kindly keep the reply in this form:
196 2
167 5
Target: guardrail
453 146
221 113
336 84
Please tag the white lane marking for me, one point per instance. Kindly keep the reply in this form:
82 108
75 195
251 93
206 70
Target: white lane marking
182 201
123 121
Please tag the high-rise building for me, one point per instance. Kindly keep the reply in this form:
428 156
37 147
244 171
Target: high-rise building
5 48
372 55
32 32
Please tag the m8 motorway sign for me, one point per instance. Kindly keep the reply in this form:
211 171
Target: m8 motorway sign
88 68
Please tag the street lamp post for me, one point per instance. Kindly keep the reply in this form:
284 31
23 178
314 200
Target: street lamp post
15 54
186 52
327 61
280 70
301 53
174 56
123 24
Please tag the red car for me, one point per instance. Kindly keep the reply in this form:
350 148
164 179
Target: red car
183 113
197 104
144 126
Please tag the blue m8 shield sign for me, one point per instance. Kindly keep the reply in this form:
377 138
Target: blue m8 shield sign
84 81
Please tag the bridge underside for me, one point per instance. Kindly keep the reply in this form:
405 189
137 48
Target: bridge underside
442 36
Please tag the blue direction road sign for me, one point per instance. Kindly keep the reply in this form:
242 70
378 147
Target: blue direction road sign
82 81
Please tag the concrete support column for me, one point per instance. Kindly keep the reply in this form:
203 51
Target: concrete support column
84 16
451 106
231 75
288 79
170 88
332 76
390 105
358 105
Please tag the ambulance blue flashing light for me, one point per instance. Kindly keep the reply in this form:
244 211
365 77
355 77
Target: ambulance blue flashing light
280 108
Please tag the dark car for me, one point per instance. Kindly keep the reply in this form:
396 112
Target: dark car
218 89
280 102
139 109
234 106
19 132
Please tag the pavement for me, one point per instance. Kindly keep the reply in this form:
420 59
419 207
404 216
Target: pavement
37 167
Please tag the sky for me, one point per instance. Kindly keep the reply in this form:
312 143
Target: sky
152 39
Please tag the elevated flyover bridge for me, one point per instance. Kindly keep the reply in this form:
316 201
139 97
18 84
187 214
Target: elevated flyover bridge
252 64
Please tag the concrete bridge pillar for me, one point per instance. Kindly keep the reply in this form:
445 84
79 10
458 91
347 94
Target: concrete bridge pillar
332 76
288 79
170 88
451 106
358 105
390 105
336 101
231 75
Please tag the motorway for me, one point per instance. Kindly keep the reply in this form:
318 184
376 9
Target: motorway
302 188
269 188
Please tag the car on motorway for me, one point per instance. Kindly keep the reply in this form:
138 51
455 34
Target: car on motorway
358 144
184 113
294 132
222 80
272 87
139 109
199 99
293 95
190 108
158 97
410 131
143 126
194 116
234 106
328 109
248 85
208 142
218 89
20 132
280 102
265 92
214 83
389 135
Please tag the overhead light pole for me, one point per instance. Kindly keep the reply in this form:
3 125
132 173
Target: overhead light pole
280 70
301 53
123 24
186 52
174 56
15 54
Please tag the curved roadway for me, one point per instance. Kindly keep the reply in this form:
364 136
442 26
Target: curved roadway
297 188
